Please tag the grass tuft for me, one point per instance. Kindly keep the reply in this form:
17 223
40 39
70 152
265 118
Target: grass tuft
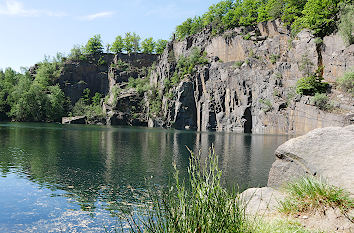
308 194
202 205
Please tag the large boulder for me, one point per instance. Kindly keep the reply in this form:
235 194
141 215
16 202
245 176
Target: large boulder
326 152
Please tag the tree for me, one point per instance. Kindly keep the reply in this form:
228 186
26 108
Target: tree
160 46
118 45
319 16
132 42
94 45
148 45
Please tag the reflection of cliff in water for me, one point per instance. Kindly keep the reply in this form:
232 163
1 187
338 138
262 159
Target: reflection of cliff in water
111 164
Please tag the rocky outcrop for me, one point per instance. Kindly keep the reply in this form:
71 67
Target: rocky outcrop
91 73
248 84
326 153
74 120
127 106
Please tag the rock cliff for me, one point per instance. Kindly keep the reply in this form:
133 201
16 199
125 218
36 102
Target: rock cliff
248 83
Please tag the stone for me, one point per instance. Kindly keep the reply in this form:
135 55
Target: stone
74 120
261 201
325 152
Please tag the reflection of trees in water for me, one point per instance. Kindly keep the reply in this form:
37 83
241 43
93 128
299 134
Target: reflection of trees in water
111 164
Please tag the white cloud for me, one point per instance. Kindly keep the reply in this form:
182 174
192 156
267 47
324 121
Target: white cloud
15 8
91 17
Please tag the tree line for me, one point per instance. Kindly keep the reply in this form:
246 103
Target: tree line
321 16
130 43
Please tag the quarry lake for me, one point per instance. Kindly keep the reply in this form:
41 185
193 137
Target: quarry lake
57 178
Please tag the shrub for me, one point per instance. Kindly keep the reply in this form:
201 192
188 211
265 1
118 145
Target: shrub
267 105
346 82
309 193
311 85
101 62
141 85
274 58
322 102
238 64
346 24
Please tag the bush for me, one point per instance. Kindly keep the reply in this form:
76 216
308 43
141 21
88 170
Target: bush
322 102
346 82
346 24
141 85
274 58
267 105
311 85
238 64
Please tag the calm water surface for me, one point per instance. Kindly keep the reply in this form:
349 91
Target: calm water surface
56 178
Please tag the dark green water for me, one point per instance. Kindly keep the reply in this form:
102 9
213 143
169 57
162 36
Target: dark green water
77 178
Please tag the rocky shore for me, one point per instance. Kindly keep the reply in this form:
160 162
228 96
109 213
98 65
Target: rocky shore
326 153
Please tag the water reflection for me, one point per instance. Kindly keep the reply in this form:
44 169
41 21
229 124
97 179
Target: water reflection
97 169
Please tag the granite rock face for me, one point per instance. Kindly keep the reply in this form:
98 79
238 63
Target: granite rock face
326 153
248 83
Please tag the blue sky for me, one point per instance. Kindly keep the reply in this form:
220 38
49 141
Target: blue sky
31 29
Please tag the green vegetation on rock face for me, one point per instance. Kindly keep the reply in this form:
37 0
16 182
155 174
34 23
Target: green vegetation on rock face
90 107
320 16
346 82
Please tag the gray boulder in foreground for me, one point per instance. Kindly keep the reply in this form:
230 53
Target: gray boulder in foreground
74 120
261 201
326 152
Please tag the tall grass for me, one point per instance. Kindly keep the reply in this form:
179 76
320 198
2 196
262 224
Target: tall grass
309 193
202 205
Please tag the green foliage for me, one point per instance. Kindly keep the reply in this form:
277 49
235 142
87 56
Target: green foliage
101 61
132 42
267 105
160 46
238 64
202 205
96 99
273 58
186 65
317 15
122 66
148 45
118 45
86 95
322 102
155 103
94 45
310 193
346 82
77 53
141 85
346 24
311 85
